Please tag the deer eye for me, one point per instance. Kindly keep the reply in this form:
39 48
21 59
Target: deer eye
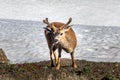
61 33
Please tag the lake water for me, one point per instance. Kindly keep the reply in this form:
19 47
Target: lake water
24 41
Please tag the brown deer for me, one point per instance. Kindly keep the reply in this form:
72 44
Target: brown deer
60 36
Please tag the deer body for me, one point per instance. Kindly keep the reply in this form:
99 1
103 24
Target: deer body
60 36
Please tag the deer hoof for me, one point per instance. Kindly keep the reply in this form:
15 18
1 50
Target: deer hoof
58 67
74 66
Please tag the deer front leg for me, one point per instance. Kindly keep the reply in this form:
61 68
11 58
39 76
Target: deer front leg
59 56
73 61
54 52
52 65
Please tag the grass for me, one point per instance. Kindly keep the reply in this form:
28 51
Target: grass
42 71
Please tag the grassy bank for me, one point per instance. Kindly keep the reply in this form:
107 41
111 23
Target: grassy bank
42 71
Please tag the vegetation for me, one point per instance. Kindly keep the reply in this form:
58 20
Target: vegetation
42 71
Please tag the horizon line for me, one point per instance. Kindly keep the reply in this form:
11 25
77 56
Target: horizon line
72 24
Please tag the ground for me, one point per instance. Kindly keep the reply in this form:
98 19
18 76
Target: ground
86 70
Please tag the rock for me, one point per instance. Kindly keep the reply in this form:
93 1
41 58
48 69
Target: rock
3 57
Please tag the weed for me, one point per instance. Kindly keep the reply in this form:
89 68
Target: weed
109 76
86 70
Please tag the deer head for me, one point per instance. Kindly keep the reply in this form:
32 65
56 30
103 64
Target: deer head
61 33
58 33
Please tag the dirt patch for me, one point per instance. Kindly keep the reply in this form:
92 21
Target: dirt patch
42 71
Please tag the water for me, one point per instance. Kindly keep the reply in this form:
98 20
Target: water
24 41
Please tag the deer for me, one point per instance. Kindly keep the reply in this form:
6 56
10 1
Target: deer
62 37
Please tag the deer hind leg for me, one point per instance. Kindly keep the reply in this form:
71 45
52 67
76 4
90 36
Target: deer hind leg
73 61
59 56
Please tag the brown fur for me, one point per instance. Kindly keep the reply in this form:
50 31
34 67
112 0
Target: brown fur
70 42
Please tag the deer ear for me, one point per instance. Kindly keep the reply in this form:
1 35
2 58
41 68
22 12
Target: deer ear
67 28
47 29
